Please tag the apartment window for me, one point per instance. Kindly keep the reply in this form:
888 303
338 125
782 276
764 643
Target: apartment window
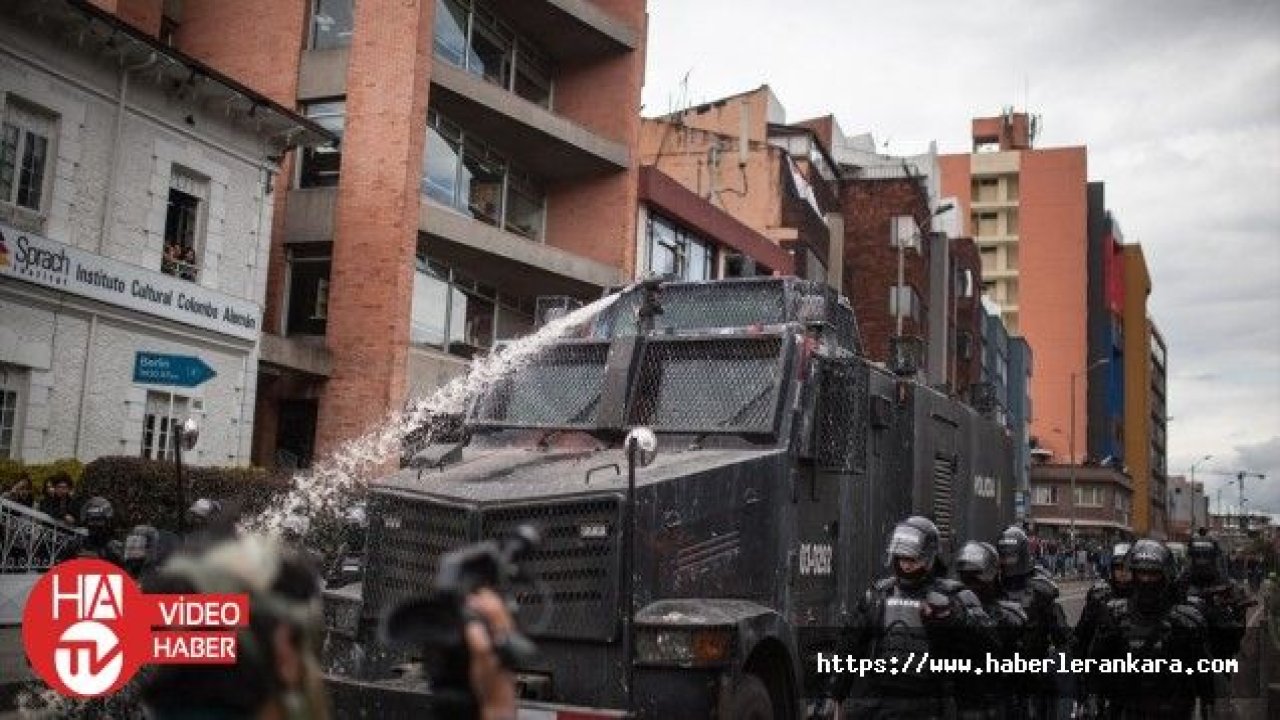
906 298
1044 495
331 23
460 170
964 283
184 224
461 314
1089 496
168 30
320 165
470 36
12 386
308 309
164 414
678 253
26 143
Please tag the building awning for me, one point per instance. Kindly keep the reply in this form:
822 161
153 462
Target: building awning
92 29
1066 522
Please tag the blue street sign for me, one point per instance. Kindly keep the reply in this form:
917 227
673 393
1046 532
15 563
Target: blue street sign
159 369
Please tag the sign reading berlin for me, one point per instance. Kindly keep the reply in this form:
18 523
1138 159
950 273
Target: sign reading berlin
88 628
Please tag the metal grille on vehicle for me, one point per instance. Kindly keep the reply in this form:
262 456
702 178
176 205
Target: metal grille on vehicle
841 414
709 384
944 475
406 539
576 563
559 386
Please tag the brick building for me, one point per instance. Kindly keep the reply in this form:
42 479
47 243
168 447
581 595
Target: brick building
487 158
1103 504
135 219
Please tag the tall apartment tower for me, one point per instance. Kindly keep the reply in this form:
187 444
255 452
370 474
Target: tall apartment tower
1026 208
487 158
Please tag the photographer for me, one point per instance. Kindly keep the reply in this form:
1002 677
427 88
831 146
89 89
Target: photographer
277 674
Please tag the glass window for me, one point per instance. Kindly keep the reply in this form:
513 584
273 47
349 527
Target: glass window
440 164
25 138
489 55
164 411
320 165
12 382
483 174
451 32
533 76
471 315
526 204
1044 495
664 248
430 308
331 24
679 253
308 295
184 224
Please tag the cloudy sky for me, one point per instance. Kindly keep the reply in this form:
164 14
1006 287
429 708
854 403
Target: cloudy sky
1177 100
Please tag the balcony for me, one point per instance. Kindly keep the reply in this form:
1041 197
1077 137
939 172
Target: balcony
302 354
996 163
992 240
508 260
323 73
569 30
1000 274
544 143
308 215
990 205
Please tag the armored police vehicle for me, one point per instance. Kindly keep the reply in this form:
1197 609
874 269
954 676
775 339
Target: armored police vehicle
784 460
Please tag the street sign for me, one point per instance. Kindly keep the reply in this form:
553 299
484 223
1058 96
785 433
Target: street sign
159 369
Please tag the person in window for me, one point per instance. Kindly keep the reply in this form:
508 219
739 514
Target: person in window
20 492
59 503
188 263
172 258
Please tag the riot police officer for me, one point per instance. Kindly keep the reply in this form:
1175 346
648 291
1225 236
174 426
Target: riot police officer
903 617
1153 623
1102 592
1221 600
1047 630
98 517
986 696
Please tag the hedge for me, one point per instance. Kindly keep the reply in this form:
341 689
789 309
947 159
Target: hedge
146 492
12 470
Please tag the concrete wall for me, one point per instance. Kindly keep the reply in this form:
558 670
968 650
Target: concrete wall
1053 283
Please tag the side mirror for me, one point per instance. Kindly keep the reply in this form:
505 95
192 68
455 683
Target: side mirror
644 442
189 435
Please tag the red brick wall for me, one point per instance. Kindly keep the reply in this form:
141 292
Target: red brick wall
597 219
967 315
376 218
871 262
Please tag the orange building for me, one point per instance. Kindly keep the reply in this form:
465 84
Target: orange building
1027 210
1144 407
487 157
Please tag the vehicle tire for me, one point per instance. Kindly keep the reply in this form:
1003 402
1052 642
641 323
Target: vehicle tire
750 700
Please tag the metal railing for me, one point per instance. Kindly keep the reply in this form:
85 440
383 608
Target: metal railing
177 268
30 541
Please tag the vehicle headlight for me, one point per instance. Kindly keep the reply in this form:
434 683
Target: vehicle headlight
684 647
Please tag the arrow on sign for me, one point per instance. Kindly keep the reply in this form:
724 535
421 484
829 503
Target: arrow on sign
160 369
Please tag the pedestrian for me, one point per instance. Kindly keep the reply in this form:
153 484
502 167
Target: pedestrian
59 502
21 491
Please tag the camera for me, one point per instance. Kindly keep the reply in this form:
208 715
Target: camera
433 623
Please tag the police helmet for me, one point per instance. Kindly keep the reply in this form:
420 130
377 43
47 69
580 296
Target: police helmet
1152 557
915 538
978 561
1202 555
203 511
97 513
1015 551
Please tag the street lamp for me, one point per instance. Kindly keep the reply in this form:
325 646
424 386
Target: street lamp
1071 442
902 271
188 436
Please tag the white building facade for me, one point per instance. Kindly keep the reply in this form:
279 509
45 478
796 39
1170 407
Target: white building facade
135 225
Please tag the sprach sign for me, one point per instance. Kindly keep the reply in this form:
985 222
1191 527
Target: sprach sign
41 261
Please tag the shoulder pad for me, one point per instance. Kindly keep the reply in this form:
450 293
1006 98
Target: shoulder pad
1013 610
1043 586
968 598
883 584
1185 616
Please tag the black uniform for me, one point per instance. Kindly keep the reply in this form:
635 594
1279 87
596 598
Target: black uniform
1222 601
1047 631
1153 623
987 695
98 517
902 618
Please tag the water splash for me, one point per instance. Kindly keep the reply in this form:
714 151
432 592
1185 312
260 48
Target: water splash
332 482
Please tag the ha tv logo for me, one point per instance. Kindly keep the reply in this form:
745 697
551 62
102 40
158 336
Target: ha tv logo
88 628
